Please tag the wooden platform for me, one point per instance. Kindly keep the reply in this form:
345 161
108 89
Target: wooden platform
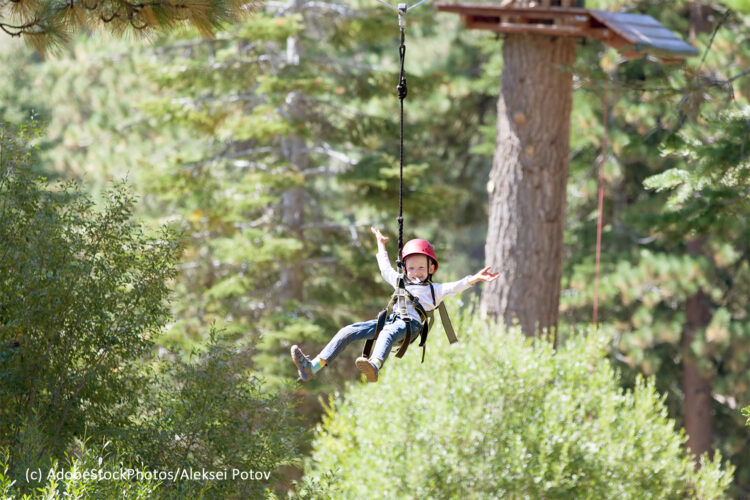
633 34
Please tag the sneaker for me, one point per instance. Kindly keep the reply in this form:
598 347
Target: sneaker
303 364
370 370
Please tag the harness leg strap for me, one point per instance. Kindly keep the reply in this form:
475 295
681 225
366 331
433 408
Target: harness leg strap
367 351
447 325
407 340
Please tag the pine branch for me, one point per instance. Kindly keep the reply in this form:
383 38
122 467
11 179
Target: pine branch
226 155
329 151
739 75
51 22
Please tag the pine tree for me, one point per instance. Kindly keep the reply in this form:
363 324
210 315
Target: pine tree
204 140
284 139
528 180
673 291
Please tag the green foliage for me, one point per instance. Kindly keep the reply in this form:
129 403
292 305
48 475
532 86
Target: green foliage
500 416
83 295
82 292
675 213
739 5
48 24
709 184
85 473
211 413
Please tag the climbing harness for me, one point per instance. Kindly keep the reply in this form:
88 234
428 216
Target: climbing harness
400 298
427 318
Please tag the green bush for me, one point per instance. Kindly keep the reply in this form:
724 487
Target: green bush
83 291
500 416
83 294
84 474
212 413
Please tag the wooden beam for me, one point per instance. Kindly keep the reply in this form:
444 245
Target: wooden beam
494 10
531 29
496 25
603 34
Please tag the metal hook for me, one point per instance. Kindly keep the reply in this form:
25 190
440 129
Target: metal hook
401 10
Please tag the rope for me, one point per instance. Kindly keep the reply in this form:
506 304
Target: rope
600 215
402 91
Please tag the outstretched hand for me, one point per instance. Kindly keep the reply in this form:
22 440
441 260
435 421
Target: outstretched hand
378 235
484 275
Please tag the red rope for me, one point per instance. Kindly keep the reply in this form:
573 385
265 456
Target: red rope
598 249
602 160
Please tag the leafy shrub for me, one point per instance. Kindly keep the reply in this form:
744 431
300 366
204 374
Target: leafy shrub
213 414
83 291
83 294
501 416
84 474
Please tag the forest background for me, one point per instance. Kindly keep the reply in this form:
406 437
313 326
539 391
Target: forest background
271 148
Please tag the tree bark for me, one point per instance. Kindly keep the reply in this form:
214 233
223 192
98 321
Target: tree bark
528 182
293 199
696 385
700 20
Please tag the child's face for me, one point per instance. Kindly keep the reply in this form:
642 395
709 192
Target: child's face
418 267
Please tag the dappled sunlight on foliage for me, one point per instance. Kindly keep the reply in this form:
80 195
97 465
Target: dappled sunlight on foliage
498 415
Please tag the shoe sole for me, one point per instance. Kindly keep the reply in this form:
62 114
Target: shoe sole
296 363
367 369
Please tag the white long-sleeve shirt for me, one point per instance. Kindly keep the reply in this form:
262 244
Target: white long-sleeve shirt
421 292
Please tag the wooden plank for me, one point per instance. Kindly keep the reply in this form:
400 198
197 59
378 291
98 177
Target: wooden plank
602 34
500 25
494 10
530 29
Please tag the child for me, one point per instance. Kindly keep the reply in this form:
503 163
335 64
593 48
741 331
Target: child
420 263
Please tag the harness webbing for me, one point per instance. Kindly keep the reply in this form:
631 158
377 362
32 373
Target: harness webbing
427 318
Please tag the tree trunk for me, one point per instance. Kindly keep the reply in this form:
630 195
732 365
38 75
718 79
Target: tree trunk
292 273
293 199
700 19
528 181
696 385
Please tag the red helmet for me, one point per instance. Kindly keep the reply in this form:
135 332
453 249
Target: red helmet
419 247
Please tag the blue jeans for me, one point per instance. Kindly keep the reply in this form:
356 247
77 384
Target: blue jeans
394 330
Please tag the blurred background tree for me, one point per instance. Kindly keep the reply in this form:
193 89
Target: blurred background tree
673 292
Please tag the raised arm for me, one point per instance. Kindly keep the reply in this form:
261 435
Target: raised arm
386 270
381 239
456 287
